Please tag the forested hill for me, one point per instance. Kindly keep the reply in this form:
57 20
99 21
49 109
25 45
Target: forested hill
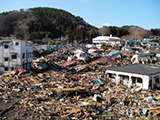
40 23
37 23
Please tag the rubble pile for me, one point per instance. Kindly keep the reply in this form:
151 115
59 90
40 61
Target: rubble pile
74 91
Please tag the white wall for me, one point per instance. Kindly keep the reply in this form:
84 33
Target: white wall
146 82
27 50
17 49
145 78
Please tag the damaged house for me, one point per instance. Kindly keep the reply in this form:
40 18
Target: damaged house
144 58
132 45
40 64
115 53
151 43
140 75
81 55
15 54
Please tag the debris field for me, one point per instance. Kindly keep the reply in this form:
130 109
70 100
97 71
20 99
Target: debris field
73 91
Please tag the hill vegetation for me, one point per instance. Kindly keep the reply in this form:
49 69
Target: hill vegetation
38 23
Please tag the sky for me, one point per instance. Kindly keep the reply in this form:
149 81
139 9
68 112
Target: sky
99 13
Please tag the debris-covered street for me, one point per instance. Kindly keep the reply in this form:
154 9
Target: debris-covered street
71 85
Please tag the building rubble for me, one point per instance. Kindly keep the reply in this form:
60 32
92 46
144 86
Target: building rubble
74 91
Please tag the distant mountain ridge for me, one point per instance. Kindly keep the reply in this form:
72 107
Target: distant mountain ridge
44 22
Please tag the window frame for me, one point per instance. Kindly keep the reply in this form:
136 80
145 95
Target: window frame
15 56
23 56
6 69
6 46
16 43
5 59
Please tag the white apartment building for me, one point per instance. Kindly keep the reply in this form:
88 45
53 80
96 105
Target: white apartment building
15 54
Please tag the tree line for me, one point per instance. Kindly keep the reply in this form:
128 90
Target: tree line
38 23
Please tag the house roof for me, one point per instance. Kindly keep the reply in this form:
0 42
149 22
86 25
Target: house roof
70 63
155 52
113 52
137 68
131 40
105 60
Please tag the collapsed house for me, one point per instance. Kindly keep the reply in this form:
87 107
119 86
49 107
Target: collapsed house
105 60
40 64
115 53
82 56
143 58
155 52
143 76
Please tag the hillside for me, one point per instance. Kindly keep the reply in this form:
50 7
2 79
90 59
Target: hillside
128 32
38 23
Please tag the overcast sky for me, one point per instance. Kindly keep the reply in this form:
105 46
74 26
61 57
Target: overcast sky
142 13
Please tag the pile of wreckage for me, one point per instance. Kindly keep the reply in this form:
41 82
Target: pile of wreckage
73 86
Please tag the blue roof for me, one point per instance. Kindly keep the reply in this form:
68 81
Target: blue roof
131 40
113 52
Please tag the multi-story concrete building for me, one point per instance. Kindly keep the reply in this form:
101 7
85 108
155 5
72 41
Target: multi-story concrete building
151 43
15 54
131 45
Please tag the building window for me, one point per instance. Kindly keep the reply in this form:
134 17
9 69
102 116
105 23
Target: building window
5 46
5 59
157 80
124 77
17 43
112 75
133 80
25 66
14 56
30 64
12 68
23 55
139 80
29 55
6 69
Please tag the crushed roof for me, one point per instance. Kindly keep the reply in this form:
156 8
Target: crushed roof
137 68
105 60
